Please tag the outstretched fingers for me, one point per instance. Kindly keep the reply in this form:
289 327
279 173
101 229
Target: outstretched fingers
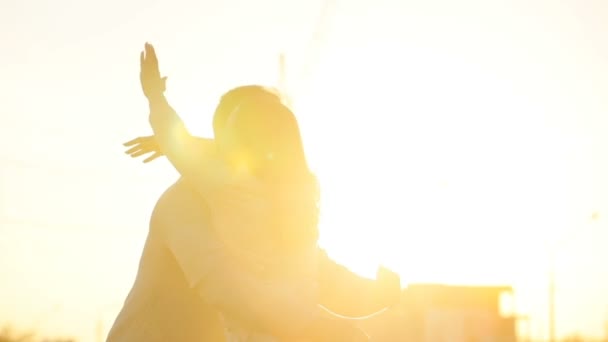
133 142
151 56
152 157
135 149
140 152
147 140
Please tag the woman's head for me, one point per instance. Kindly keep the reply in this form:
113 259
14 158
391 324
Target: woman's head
231 100
252 125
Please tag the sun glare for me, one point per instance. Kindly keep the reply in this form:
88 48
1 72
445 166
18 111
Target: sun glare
426 187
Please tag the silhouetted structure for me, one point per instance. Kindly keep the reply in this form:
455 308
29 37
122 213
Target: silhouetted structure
442 313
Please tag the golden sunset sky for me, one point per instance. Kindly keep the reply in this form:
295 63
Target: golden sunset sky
455 141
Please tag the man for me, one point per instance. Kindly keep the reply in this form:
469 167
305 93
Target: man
186 277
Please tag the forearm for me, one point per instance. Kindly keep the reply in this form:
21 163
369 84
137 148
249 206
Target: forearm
265 308
172 135
193 157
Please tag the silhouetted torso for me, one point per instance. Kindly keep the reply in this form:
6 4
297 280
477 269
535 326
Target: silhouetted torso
161 305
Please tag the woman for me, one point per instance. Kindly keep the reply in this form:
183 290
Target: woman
261 146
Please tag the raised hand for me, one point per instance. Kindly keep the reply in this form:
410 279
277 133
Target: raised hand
152 83
143 145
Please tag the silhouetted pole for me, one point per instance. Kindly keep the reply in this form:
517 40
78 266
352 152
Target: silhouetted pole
314 46
606 328
552 297
282 73
318 38
282 84
552 279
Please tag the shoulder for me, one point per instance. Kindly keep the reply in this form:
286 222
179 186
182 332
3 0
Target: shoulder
180 205
181 194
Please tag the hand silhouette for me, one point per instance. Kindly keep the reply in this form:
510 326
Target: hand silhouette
143 145
152 83
389 283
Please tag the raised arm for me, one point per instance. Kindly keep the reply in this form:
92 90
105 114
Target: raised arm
194 158
348 294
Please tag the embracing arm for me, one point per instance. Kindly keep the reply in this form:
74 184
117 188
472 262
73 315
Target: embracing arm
348 294
270 307
273 307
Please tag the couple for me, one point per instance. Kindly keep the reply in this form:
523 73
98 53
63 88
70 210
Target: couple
231 253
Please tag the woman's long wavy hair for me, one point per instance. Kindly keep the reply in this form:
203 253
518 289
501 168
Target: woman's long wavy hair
268 132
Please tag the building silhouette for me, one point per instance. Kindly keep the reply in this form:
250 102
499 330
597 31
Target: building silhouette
445 313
